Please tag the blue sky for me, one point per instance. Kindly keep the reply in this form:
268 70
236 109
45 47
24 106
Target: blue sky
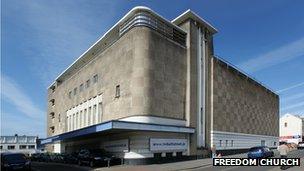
40 38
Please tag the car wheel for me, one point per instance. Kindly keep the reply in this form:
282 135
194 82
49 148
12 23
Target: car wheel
92 164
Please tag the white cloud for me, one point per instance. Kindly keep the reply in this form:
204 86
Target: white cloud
15 124
290 87
293 97
57 32
282 54
13 93
296 105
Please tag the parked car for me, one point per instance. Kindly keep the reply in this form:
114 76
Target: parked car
301 145
14 161
95 157
56 157
35 156
71 158
45 157
260 152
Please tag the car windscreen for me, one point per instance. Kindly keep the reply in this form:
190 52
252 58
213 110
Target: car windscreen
255 149
12 158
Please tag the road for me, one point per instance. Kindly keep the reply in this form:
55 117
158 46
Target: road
296 154
39 166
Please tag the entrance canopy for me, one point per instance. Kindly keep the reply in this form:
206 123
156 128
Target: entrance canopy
117 125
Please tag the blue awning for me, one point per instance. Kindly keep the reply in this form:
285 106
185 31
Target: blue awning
117 125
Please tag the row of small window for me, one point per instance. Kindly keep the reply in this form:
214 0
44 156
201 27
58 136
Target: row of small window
81 87
12 147
226 143
168 154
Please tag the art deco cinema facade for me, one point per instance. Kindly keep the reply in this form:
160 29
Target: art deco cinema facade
151 88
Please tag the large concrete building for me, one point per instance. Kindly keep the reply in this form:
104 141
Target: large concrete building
150 87
18 144
292 128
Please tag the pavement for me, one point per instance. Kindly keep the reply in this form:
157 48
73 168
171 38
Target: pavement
41 166
192 165
207 165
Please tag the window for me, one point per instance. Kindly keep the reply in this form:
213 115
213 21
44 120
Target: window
11 147
75 90
94 114
81 119
85 117
74 122
220 143
89 115
100 112
285 124
52 102
157 155
117 93
53 88
70 94
52 129
77 120
81 88
179 154
22 146
95 78
274 143
88 83
59 117
262 142
31 146
52 115
226 144
169 154
1 147
231 143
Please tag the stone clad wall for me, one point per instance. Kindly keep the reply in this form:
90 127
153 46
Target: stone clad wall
241 105
150 70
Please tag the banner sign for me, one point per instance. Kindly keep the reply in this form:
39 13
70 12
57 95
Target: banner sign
168 144
117 146
290 137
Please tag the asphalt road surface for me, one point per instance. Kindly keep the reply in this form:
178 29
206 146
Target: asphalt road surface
295 154
40 166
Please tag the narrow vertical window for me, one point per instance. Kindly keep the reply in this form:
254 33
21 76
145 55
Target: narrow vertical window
75 90
81 88
117 93
100 112
74 122
89 115
88 84
70 94
81 119
94 114
85 117
59 119
68 123
95 78
77 120
220 143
